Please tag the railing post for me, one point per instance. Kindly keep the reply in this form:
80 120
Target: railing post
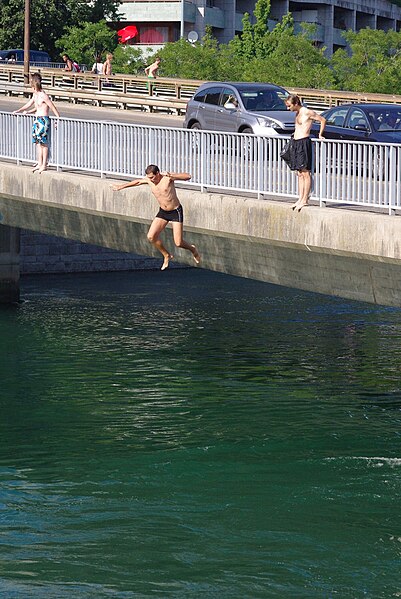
392 181
102 150
151 146
323 174
57 144
202 148
18 139
259 165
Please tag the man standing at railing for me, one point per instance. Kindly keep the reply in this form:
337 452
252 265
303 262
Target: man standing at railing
41 104
163 188
300 150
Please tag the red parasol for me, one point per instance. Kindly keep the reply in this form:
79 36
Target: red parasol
128 33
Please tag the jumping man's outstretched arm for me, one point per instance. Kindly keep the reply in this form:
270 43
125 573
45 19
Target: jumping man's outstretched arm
178 176
129 184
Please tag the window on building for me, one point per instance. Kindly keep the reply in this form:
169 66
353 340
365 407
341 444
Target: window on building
153 35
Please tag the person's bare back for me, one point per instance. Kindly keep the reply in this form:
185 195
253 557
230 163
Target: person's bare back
303 122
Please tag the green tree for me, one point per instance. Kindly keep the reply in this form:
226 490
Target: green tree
85 42
128 59
261 33
49 19
190 61
374 62
243 46
296 62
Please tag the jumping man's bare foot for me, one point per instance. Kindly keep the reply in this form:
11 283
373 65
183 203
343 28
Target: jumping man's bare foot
166 261
195 254
41 169
36 168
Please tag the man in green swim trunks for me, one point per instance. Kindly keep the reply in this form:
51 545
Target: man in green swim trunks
152 69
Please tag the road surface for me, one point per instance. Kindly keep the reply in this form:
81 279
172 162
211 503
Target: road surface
93 113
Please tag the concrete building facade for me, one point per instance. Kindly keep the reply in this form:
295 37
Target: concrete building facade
159 22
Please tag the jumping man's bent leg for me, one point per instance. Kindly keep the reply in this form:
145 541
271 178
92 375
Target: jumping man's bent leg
180 242
158 225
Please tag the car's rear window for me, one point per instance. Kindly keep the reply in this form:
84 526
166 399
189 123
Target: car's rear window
386 119
209 95
200 96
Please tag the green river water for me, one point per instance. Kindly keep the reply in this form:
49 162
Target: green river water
187 434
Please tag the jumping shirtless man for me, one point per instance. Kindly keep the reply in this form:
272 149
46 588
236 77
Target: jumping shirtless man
301 147
41 104
163 188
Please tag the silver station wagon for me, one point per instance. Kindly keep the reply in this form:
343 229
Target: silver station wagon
257 108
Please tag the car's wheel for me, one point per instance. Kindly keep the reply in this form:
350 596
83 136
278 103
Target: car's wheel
247 130
195 125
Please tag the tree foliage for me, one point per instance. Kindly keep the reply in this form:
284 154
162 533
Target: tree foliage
84 43
374 62
128 59
190 61
49 20
279 56
371 64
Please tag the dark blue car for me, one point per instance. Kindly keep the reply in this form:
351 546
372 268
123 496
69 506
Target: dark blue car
16 55
363 122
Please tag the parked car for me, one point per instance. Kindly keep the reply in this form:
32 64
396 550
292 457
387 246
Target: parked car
257 108
363 122
17 55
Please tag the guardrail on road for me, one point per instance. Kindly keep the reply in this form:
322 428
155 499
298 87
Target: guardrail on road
358 173
124 91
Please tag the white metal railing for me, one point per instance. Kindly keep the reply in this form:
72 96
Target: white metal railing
358 173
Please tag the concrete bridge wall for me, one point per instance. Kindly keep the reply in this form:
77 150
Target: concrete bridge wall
342 252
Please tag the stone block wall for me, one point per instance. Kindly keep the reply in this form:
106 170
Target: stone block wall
41 253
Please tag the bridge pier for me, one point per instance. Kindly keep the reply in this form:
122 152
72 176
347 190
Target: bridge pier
9 264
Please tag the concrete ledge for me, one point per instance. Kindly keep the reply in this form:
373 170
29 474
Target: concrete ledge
348 253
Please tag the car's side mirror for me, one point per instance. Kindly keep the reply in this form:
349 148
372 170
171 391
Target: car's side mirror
230 106
361 128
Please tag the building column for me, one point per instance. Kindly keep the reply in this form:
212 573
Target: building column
9 264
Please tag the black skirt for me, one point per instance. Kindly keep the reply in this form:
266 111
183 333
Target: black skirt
300 154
